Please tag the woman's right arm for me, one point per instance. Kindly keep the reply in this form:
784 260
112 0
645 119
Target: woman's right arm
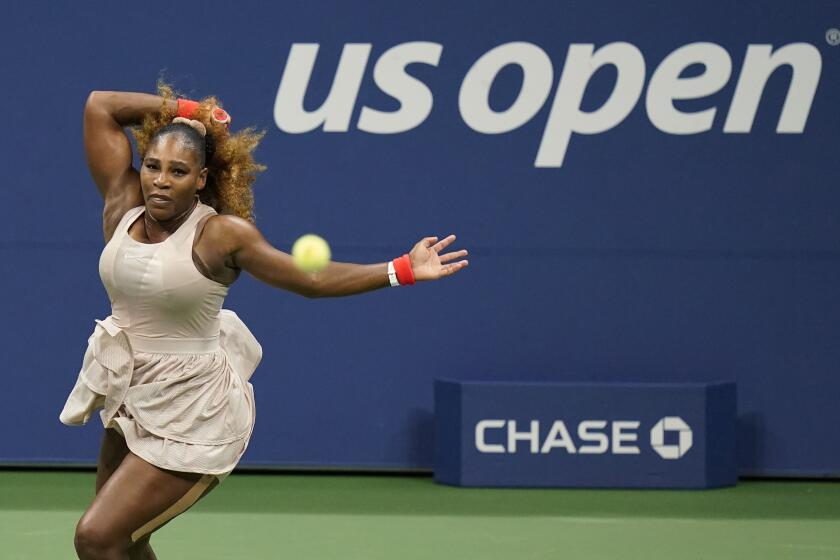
109 151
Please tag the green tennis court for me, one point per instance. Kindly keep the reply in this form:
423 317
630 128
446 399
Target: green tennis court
349 517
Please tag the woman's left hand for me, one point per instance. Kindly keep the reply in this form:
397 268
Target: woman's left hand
428 263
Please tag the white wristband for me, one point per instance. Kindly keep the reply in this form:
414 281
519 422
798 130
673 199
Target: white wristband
392 275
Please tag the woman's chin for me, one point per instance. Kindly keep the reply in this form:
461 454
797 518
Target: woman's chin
159 212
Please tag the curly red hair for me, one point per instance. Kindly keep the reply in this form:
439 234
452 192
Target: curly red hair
231 168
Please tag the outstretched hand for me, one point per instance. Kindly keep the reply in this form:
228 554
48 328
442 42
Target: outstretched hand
428 263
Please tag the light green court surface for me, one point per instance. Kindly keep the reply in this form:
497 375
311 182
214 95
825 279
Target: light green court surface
345 517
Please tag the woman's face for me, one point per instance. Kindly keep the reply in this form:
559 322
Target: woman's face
170 176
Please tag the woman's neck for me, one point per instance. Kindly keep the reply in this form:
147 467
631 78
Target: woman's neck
159 230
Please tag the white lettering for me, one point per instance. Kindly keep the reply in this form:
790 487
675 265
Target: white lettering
584 434
337 109
480 442
619 436
564 440
759 64
566 117
666 85
532 436
537 76
414 97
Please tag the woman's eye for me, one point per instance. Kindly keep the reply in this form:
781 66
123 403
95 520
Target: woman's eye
151 166
179 172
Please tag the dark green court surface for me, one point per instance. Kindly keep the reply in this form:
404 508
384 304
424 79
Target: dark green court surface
326 517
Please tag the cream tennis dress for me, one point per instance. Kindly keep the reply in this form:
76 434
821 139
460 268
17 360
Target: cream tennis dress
169 367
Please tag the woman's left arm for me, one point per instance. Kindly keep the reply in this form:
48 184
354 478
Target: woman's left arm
249 251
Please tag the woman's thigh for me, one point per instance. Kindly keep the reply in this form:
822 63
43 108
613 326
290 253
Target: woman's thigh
112 451
139 498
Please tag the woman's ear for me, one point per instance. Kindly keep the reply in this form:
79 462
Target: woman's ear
202 179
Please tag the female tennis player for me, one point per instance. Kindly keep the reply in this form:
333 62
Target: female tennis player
169 367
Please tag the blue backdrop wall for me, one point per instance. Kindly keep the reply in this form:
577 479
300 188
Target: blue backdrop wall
649 191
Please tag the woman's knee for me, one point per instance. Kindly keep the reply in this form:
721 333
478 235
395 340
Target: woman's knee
94 541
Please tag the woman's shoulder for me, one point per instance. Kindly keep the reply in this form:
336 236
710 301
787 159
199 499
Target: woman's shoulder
229 225
225 231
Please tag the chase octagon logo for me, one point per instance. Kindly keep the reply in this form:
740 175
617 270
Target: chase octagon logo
671 424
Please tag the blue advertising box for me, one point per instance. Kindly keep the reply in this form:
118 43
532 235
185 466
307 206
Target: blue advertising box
630 435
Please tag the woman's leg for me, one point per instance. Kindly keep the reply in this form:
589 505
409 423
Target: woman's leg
135 500
111 454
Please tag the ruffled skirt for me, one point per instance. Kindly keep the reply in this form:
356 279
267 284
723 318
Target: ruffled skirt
189 412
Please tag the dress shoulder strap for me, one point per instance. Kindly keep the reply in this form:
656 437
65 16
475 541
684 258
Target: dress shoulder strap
203 211
133 213
127 219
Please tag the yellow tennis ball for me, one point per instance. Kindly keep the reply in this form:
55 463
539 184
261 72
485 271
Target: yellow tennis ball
311 253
